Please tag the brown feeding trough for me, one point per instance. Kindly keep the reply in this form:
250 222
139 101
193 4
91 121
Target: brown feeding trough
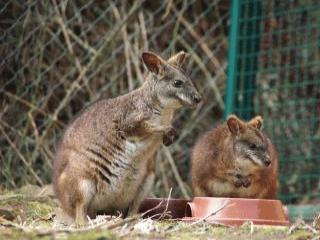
155 207
227 211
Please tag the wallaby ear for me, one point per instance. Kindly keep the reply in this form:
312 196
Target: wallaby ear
256 122
178 59
235 125
153 62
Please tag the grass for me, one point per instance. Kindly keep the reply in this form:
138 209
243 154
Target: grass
34 210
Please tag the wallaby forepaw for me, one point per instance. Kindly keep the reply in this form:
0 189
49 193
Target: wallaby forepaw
246 182
237 183
241 181
169 137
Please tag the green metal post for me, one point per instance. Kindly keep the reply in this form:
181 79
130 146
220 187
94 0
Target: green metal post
232 58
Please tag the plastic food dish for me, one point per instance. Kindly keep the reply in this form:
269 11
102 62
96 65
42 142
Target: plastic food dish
226 211
236 211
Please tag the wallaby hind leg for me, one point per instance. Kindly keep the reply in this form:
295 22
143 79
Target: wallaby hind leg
86 193
81 214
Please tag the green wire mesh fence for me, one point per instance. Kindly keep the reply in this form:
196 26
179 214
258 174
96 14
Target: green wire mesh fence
274 71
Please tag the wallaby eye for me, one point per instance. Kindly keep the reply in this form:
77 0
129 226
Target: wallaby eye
177 83
252 146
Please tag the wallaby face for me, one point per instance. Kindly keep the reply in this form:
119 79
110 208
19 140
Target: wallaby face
172 86
248 141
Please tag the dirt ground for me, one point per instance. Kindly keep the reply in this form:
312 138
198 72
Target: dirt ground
29 214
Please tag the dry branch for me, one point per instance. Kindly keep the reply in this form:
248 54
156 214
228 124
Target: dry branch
206 72
23 159
126 48
85 69
176 173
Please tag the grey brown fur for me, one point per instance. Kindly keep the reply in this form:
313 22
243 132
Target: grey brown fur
105 158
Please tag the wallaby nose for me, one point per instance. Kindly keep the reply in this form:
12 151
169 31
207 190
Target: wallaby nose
267 161
197 99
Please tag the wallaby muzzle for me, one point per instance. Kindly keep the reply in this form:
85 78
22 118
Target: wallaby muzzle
266 161
195 98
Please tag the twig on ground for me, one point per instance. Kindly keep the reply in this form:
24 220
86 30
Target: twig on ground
10 196
211 214
302 225
201 219
53 231
167 205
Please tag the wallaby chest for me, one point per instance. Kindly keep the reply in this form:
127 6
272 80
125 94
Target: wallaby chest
132 165
161 118
132 169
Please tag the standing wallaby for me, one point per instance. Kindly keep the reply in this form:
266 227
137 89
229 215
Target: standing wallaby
104 161
235 159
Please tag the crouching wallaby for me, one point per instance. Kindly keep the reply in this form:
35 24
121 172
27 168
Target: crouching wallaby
104 161
235 159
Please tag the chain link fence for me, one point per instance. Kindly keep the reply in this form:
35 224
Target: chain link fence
59 56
